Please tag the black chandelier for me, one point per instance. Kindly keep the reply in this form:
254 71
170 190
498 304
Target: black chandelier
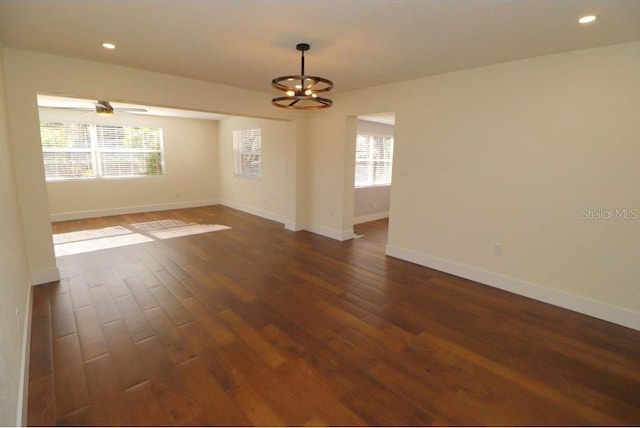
302 91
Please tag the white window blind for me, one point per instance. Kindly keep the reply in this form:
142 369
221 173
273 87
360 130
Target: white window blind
67 151
247 148
77 151
126 151
374 158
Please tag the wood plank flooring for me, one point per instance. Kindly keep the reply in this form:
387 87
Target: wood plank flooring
257 325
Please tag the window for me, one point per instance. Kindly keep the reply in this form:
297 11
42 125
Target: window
81 150
374 157
247 153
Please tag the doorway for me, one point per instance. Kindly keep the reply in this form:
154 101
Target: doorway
373 175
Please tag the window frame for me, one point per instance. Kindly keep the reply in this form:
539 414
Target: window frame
371 161
98 153
242 158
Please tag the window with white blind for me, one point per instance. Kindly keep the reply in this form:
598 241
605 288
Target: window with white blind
247 149
80 150
374 158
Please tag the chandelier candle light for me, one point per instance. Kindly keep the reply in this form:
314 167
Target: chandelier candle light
302 91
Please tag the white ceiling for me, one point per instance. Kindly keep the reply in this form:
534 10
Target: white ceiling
356 43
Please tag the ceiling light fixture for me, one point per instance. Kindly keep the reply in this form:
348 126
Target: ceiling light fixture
107 45
587 19
302 91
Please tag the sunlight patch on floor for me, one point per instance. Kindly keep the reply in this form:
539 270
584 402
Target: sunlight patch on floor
84 241
166 229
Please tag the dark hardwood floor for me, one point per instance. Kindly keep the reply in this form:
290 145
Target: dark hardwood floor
257 325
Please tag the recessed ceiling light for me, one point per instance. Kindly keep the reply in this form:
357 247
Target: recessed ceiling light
108 46
587 19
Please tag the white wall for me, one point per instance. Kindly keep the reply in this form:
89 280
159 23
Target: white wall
512 154
329 166
191 171
267 196
371 203
15 290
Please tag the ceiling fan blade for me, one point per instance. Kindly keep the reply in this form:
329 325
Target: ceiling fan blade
103 104
131 110
100 107
69 108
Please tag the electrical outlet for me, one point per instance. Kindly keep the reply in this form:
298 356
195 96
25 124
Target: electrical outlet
497 249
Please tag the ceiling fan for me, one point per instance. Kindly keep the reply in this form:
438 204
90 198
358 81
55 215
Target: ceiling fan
104 108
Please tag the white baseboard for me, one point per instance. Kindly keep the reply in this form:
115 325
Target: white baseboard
347 234
338 235
23 389
255 211
583 305
294 227
44 276
289 225
370 217
76 215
